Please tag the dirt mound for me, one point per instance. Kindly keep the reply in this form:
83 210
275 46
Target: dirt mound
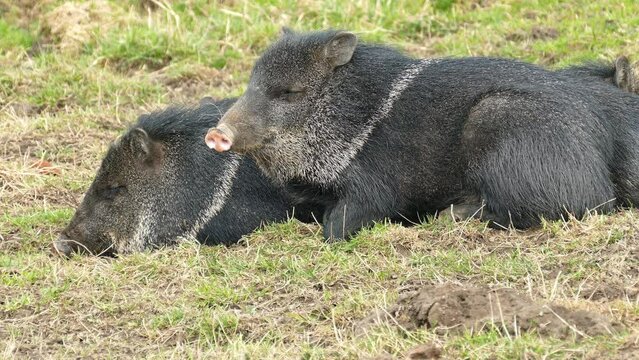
454 308
71 24
424 352
630 349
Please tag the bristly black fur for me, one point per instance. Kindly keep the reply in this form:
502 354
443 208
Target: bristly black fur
589 70
182 120
509 141
159 181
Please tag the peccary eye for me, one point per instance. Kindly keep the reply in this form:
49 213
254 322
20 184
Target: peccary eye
112 191
290 94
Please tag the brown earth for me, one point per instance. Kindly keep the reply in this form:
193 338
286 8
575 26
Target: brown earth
455 308
424 352
70 25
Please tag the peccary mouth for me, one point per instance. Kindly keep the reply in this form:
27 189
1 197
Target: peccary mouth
63 247
66 247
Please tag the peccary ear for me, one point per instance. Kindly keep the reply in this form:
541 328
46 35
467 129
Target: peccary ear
143 148
206 100
339 50
286 31
623 74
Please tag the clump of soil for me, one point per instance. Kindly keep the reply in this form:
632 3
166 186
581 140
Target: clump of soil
71 24
424 352
630 349
194 84
455 308
536 33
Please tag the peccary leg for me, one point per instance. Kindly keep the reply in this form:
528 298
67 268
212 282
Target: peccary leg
475 210
367 200
348 217
460 212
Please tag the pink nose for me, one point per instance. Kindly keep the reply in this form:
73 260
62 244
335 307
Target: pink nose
216 139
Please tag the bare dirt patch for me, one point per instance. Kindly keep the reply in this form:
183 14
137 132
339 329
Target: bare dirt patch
71 25
536 33
605 268
189 87
453 309
544 33
630 349
424 352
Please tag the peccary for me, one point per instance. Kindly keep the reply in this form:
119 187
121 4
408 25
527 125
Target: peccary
374 134
159 182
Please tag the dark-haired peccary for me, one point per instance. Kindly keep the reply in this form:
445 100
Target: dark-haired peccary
158 182
373 134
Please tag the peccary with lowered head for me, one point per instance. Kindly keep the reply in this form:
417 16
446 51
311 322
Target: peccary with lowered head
159 182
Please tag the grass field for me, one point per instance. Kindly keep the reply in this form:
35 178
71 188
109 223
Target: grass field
74 74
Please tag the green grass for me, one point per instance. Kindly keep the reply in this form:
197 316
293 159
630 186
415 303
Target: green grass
14 38
282 293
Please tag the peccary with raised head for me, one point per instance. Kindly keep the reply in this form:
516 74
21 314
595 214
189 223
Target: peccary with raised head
373 134
159 182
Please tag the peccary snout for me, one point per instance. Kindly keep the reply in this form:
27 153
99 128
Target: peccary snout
220 138
241 129
62 246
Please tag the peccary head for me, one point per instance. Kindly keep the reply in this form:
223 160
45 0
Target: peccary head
108 217
151 188
282 119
